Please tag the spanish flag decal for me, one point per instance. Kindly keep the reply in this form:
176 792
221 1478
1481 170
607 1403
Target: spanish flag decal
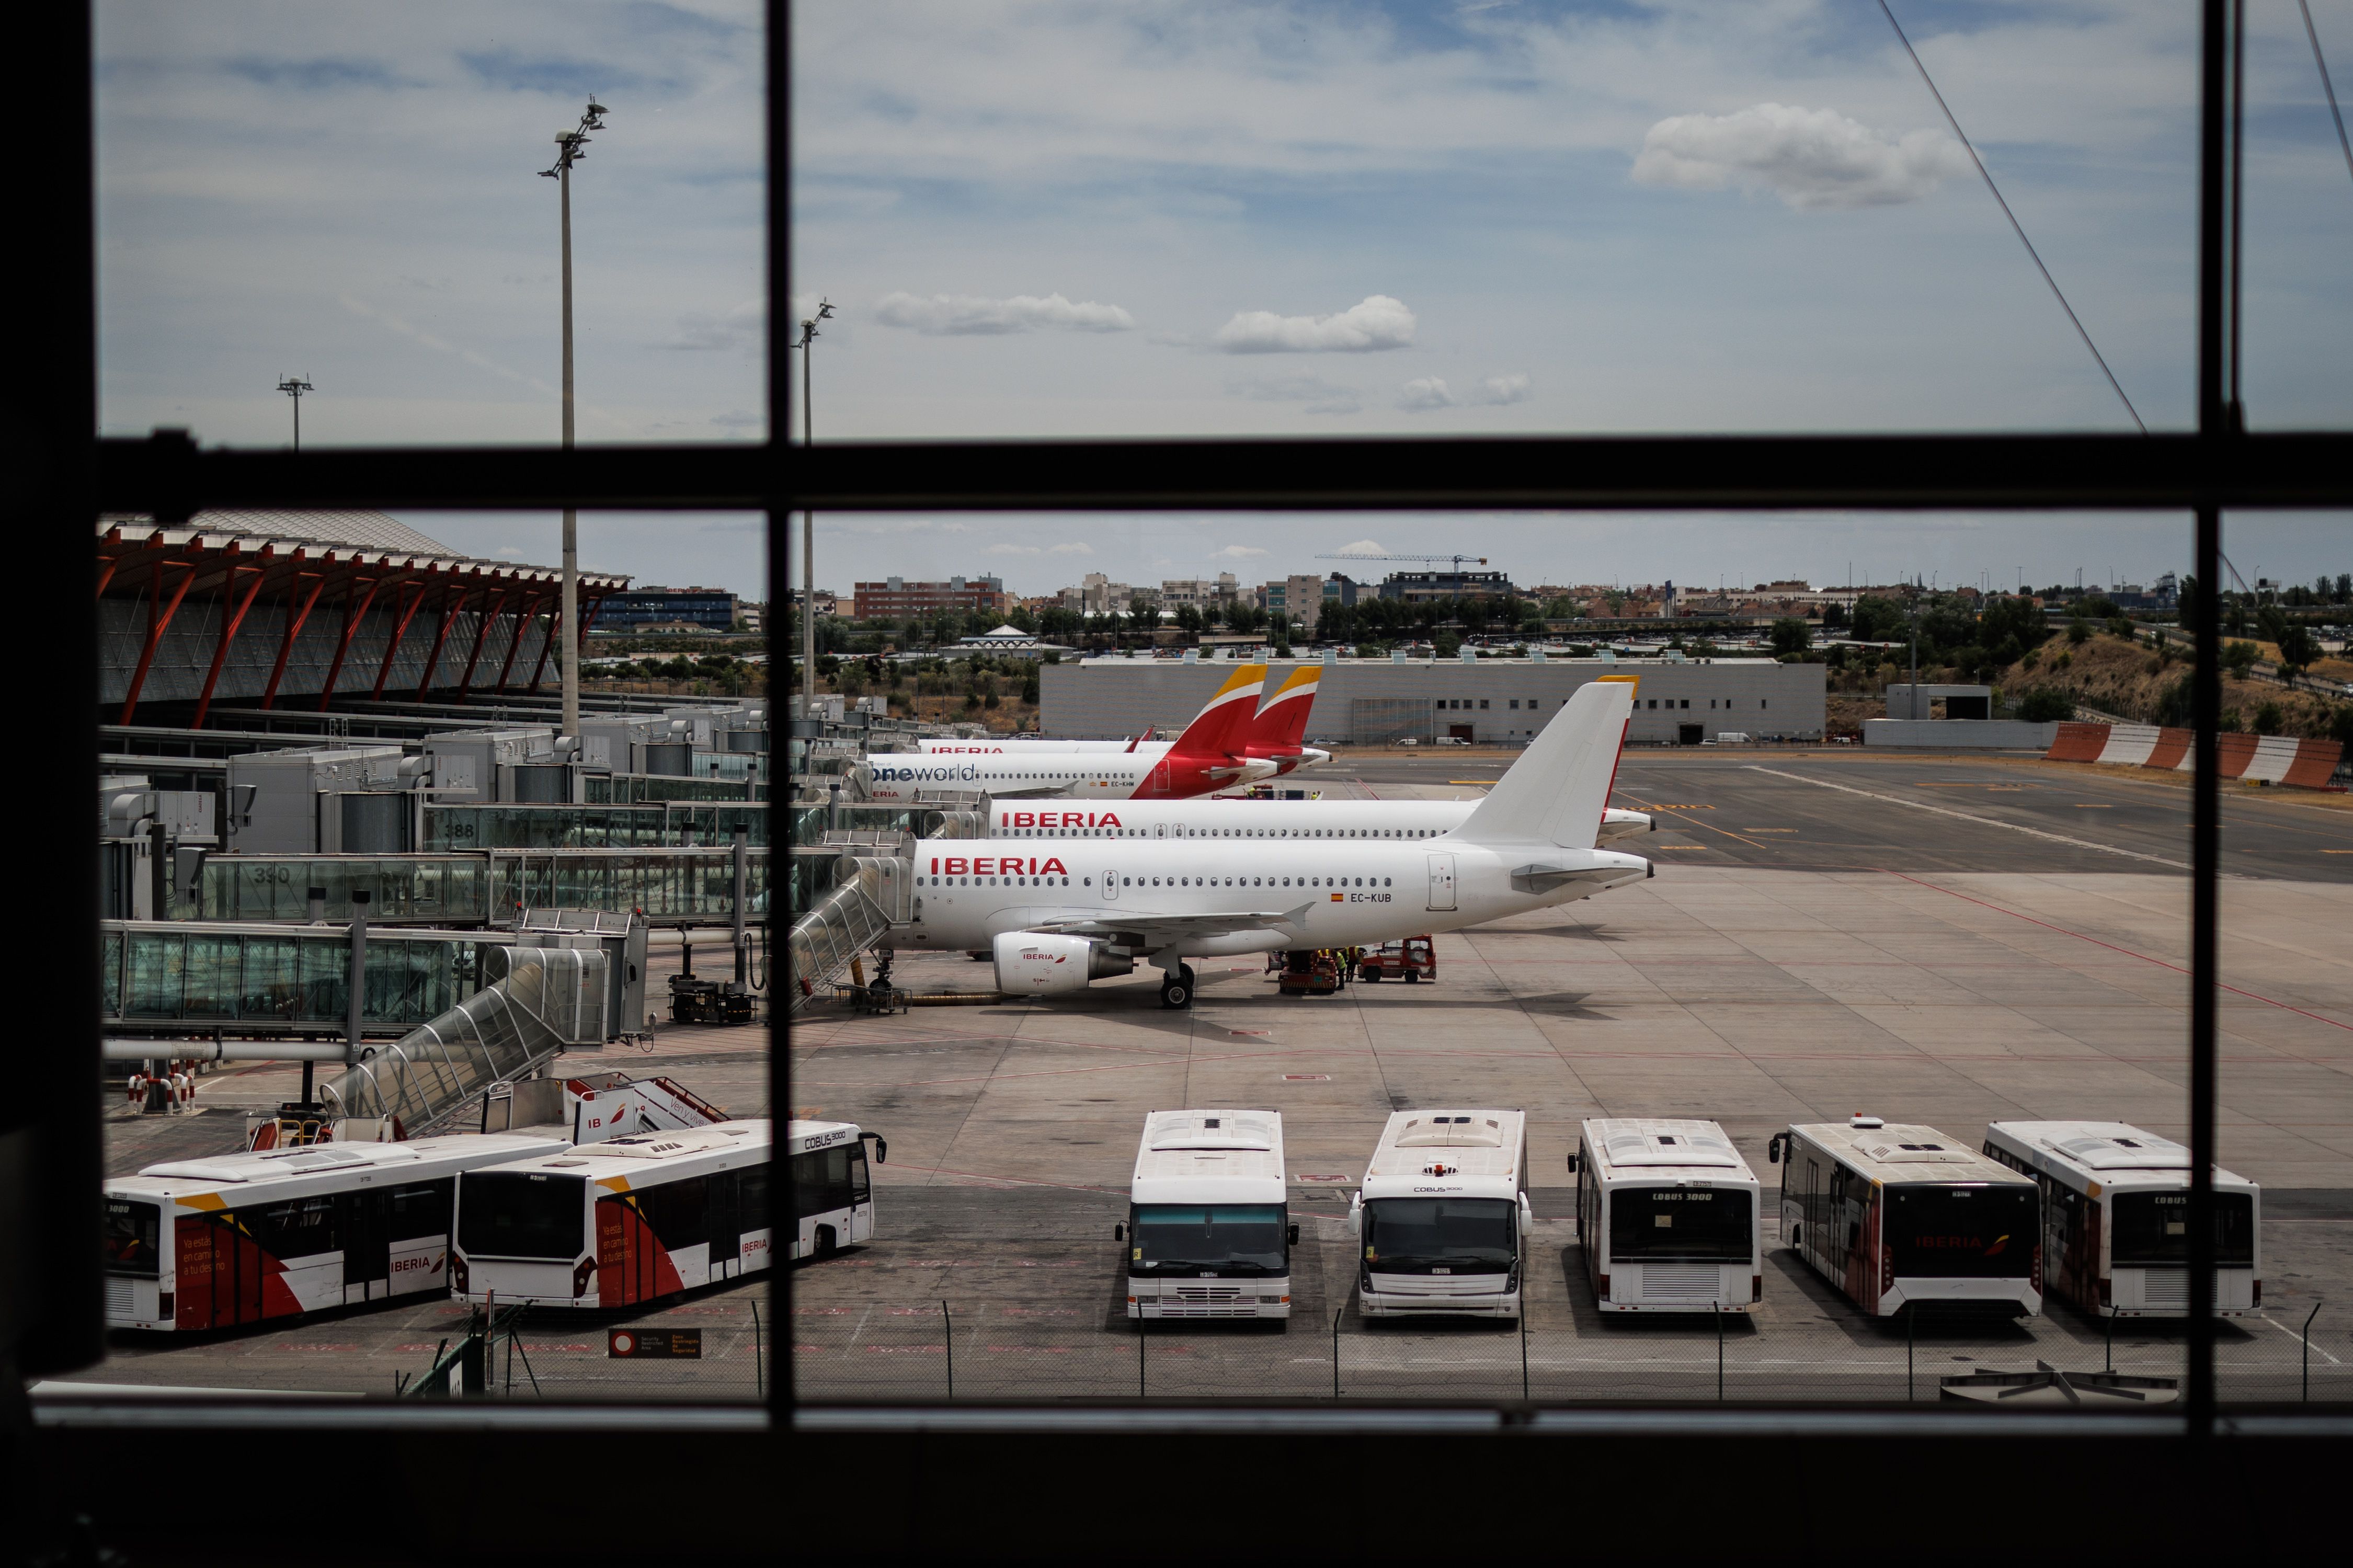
1337 898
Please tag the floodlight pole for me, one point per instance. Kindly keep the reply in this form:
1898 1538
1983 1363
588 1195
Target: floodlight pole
570 145
808 525
294 386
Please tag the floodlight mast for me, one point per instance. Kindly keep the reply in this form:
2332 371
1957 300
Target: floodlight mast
570 147
809 526
294 386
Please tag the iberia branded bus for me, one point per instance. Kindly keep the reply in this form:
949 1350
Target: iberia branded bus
614 1224
240 1238
1897 1216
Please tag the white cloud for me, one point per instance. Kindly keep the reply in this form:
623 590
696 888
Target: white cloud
968 315
1363 547
744 327
1376 321
1813 159
1315 395
1236 553
1426 393
1069 547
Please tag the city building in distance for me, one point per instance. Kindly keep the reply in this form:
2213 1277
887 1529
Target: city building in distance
654 608
899 596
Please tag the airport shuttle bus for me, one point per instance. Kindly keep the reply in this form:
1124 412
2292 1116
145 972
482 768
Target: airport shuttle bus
248 1237
830 1188
1209 1229
2116 1207
1669 1216
617 1222
1442 1220
1896 1216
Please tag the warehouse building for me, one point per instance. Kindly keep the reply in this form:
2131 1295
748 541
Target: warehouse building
1487 702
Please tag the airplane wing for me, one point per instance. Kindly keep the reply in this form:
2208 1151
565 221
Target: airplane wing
1158 930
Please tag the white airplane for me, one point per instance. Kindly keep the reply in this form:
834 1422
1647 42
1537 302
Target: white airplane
1057 917
1275 733
1212 754
1230 817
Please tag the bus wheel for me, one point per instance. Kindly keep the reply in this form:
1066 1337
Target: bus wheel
825 1241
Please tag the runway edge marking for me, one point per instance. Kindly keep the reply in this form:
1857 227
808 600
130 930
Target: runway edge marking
1972 816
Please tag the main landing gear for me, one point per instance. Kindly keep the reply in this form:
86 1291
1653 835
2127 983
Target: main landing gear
1176 989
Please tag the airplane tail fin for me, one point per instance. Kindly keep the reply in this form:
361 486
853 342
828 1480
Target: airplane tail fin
1221 727
1279 728
1557 791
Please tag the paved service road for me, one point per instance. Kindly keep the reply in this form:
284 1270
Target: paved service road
1817 810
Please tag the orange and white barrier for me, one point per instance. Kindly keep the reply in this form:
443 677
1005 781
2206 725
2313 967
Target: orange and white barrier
2274 759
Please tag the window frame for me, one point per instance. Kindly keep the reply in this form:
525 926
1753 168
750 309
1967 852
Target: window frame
75 475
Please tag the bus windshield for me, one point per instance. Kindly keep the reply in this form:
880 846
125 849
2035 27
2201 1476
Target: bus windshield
521 1214
2153 1227
1963 1232
1661 1225
1420 1235
131 1238
1224 1238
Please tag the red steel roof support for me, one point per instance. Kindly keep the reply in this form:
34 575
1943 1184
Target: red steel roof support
159 615
545 644
294 621
106 566
481 630
453 600
229 634
524 618
352 619
399 630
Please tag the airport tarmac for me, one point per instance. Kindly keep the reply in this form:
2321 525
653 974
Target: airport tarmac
1941 939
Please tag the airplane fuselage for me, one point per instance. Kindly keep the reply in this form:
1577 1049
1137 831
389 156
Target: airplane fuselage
1228 816
1328 894
899 776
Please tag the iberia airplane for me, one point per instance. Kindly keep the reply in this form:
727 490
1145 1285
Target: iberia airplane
1212 754
1057 916
1274 734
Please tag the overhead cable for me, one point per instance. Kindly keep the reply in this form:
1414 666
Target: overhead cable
2016 226
2325 85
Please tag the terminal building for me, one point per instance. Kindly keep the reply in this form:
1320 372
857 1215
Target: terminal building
1486 701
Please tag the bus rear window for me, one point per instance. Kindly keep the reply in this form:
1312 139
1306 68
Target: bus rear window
131 1238
2153 1227
1963 1232
1658 1225
521 1214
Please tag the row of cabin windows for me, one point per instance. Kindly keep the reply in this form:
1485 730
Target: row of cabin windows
1154 881
1226 833
1453 703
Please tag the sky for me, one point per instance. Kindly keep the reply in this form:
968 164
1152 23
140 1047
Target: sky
1055 217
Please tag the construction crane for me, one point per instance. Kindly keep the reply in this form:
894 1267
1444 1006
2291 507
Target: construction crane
1457 561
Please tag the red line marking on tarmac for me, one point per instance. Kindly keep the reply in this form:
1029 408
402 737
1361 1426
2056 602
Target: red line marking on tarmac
2128 952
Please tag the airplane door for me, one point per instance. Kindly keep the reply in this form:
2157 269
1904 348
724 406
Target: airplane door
1441 881
1111 884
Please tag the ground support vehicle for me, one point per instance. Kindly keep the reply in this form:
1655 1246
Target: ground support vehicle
1669 1216
1309 971
273 1234
1208 1231
1896 1216
1411 959
2116 1232
619 1223
1442 1218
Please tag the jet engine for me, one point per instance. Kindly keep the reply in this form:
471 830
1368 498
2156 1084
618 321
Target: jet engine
1030 965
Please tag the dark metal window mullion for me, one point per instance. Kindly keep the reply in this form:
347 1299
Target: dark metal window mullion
783 1203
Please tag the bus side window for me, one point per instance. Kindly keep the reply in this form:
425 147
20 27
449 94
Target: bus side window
417 1212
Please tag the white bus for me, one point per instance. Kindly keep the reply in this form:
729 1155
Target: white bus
2116 1232
1209 1229
241 1238
830 1185
1669 1216
617 1222
1894 1215
1442 1220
